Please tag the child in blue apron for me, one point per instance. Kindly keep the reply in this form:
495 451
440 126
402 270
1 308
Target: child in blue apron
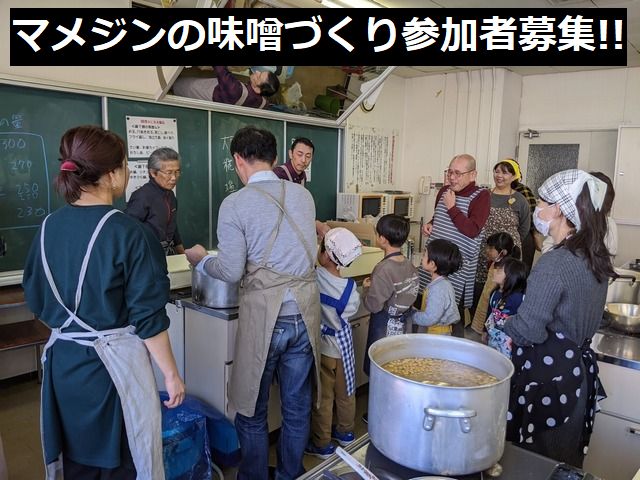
340 300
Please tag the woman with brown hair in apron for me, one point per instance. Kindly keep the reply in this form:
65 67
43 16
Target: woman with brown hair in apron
98 278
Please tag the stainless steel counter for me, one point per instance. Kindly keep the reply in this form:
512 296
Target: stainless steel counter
223 313
617 348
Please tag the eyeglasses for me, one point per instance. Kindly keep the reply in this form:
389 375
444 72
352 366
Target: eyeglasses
174 173
455 174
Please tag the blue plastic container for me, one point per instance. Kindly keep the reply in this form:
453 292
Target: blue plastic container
185 443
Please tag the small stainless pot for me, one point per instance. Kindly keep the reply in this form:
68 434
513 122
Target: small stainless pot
214 293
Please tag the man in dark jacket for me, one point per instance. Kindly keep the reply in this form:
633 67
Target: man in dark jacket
155 203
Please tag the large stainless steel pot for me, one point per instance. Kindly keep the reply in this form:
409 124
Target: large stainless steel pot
211 292
434 429
623 316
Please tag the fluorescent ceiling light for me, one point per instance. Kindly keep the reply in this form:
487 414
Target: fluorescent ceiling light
350 4
330 4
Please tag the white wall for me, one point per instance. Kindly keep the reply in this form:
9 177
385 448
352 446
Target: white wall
597 99
600 99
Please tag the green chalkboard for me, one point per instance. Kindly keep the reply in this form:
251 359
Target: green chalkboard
223 175
192 190
324 167
32 121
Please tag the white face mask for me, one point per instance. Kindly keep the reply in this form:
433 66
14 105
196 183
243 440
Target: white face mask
541 225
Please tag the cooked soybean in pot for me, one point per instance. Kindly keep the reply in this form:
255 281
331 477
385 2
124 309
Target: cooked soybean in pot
436 371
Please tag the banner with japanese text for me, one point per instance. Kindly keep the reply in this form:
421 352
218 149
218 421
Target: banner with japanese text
300 36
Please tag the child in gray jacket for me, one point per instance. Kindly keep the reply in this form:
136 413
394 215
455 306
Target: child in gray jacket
439 309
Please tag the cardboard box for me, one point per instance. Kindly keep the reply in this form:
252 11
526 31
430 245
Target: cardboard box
365 232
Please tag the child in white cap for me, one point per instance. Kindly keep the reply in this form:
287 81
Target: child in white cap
340 300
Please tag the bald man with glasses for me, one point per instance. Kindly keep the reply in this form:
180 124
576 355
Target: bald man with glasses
155 203
461 211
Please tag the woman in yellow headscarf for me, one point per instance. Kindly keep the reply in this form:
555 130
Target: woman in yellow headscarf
509 213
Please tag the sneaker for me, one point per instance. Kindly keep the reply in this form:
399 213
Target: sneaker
343 439
320 452
365 417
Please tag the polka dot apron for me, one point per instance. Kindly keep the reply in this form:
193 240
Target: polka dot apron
546 384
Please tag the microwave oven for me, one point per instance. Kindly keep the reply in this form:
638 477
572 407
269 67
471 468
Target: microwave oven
401 204
352 206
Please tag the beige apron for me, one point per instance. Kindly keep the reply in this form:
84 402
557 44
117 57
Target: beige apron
119 349
261 296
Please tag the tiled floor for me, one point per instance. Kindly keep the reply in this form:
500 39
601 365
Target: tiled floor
20 429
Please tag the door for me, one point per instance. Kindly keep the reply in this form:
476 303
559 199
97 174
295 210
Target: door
551 152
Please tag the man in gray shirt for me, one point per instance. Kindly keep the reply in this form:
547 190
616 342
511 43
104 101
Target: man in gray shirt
266 234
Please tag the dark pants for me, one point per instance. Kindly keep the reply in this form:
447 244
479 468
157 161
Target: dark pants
377 330
78 471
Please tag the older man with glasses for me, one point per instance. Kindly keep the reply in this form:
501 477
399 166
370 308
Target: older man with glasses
155 203
461 211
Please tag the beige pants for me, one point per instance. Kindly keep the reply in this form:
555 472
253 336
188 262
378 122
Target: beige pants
334 387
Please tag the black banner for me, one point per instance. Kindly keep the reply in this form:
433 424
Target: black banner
323 36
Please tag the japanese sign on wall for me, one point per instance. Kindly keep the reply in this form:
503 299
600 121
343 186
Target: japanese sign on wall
138 176
146 134
373 152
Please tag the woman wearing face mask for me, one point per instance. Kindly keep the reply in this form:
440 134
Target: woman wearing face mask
555 385
611 239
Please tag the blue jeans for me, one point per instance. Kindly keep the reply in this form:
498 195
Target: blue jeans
291 359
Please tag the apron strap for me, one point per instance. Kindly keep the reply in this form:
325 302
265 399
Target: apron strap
394 254
83 271
339 304
295 227
276 229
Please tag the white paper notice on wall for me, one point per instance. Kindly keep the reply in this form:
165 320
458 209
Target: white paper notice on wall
138 176
372 153
146 134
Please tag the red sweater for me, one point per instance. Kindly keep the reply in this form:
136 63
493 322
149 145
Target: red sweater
471 225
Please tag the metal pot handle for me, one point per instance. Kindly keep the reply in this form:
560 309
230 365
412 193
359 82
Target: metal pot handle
463 415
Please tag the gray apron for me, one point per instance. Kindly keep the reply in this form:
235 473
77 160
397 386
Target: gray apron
463 280
261 296
119 349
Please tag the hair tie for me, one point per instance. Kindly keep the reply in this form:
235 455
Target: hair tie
68 166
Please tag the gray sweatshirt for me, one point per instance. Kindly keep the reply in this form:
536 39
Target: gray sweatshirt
441 307
245 222
564 296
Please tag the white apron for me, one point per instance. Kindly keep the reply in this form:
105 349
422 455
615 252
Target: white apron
119 349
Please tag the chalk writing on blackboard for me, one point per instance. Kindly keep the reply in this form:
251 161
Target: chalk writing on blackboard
146 134
24 184
14 120
228 166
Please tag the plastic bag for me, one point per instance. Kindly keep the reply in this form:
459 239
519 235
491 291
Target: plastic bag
185 443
